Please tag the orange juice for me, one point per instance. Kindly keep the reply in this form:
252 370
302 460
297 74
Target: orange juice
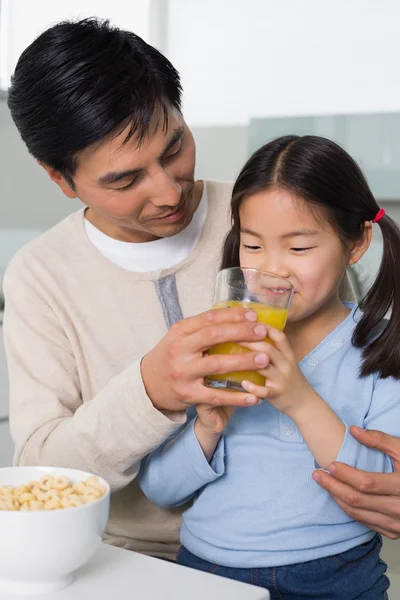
270 315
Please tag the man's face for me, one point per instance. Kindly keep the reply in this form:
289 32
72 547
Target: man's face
139 192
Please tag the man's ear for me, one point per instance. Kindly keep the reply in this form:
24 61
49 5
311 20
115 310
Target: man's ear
59 180
360 246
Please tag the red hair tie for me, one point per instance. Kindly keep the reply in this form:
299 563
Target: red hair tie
381 213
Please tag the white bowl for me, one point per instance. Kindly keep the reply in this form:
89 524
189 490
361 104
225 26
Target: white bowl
40 551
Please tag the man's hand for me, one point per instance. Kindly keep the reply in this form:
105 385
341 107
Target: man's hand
174 370
370 498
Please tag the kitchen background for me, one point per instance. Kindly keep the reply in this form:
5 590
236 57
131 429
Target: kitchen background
251 70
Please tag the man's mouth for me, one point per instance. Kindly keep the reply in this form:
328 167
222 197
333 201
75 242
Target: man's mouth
174 216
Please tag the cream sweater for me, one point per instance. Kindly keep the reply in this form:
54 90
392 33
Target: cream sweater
76 328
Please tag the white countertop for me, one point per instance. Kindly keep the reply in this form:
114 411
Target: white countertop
117 573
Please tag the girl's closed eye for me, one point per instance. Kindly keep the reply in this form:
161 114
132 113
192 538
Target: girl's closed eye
299 250
251 247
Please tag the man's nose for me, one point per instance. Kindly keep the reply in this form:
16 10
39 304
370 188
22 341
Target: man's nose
167 191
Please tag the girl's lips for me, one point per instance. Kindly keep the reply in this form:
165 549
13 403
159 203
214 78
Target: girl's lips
277 291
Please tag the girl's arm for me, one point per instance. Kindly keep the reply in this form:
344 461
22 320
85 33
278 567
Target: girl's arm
326 435
173 474
322 430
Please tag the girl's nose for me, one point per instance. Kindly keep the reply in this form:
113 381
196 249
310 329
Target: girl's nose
275 268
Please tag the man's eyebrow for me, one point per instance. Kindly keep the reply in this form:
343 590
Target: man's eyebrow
176 136
114 176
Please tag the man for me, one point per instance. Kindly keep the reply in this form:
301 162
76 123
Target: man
105 327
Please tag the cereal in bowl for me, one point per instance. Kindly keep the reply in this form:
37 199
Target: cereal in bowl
50 493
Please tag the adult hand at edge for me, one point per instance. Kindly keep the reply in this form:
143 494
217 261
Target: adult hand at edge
372 499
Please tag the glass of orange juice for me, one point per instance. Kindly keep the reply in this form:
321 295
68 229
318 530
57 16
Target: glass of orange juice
268 295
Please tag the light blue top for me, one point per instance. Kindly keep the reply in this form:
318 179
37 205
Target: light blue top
256 504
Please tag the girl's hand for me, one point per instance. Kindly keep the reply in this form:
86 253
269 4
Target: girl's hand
210 425
288 391
213 420
286 388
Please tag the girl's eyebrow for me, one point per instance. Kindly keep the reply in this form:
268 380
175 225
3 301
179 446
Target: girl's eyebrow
285 235
249 231
300 232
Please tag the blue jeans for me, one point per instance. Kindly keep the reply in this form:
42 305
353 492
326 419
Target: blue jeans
358 574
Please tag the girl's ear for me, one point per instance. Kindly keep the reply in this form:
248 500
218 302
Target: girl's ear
360 246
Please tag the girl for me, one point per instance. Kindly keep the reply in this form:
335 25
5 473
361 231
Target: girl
301 209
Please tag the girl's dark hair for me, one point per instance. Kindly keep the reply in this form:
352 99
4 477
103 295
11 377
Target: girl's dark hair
79 81
322 173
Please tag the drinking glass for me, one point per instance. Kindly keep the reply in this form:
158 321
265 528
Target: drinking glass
267 295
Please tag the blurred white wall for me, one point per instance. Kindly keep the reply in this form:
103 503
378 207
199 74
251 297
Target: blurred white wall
247 58
22 21
238 60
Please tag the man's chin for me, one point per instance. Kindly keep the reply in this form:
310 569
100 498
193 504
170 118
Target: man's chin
165 229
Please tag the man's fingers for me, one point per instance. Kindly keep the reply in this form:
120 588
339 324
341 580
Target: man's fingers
368 483
389 534
373 520
214 397
377 439
277 351
386 505
374 511
222 333
330 484
274 355
222 315
215 364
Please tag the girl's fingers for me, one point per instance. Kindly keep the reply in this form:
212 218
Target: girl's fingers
256 390
280 341
273 353
256 346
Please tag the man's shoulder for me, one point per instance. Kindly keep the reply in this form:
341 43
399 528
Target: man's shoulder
219 195
55 244
220 190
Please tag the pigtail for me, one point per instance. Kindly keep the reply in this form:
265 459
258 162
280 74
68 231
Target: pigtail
382 354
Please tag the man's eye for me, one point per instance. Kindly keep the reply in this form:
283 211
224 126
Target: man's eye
174 151
125 187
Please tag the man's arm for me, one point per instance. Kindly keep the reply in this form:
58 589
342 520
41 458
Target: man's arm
50 424
135 412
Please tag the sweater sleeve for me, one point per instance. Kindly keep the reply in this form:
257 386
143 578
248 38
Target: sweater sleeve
384 415
178 469
50 424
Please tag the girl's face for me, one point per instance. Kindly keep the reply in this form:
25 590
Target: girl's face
282 235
